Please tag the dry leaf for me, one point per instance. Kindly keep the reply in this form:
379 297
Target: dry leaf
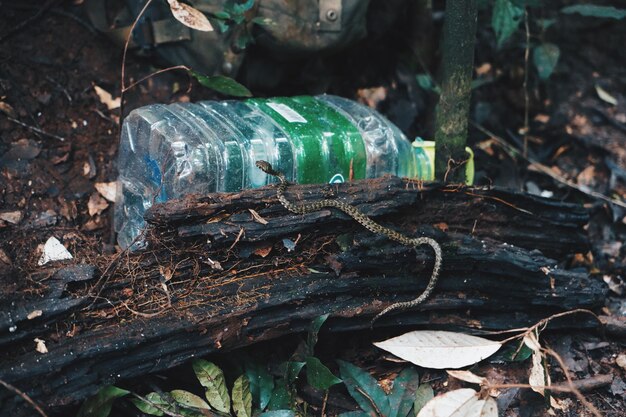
7 109
189 16
4 257
467 376
13 217
441 226
538 377
440 349
107 99
621 360
34 314
53 250
96 204
459 403
263 252
605 96
257 217
483 69
107 190
40 346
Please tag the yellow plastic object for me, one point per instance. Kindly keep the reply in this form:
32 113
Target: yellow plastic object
425 161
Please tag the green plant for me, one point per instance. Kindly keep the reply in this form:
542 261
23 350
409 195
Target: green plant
254 389
507 16
406 394
235 16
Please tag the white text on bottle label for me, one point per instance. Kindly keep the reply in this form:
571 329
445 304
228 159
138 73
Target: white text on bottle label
287 112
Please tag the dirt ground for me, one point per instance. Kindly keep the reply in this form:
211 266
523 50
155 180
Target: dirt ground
59 141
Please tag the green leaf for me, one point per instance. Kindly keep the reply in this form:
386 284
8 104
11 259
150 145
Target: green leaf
505 20
242 398
100 404
188 399
423 394
403 392
263 21
426 82
222 15
278 413
293 370
591 10
212 378
364 389
546 23
318 375
153 397
222 25
517 354
222 85
261 383
314 329
281 398
545 58
243 7
238 18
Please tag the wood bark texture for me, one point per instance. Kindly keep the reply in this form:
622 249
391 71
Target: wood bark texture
228 270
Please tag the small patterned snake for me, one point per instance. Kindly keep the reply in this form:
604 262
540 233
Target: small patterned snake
366 222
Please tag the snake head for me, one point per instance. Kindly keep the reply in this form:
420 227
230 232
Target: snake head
264 166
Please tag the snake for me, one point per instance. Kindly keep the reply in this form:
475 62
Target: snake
370 225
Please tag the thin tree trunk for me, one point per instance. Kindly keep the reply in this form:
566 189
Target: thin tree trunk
459 32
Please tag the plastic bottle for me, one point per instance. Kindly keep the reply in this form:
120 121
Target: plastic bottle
170 151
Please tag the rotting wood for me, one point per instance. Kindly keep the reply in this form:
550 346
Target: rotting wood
197 297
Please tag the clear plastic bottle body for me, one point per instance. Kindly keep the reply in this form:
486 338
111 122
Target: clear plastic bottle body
170 151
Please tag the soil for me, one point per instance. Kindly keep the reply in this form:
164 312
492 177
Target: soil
59 141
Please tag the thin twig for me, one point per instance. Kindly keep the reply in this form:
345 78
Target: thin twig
571 384
545 321
152 74
36 129
24 396
545 169
525 86
123 75
323 414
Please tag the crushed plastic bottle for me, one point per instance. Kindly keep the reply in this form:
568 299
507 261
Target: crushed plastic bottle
169 151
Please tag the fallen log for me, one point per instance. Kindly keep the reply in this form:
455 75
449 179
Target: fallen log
216 276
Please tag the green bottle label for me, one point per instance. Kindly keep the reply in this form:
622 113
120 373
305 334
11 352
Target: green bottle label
326 144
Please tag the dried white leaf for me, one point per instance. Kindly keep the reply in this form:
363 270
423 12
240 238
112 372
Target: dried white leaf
13 217
5 258
621 360
257 217
96 204
34 314
53 250
538 377
107 190
189 16
440 349
467 376
605 96
531 341
106 98
459 403
40 346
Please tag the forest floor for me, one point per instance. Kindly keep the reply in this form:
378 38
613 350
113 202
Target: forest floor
59 141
